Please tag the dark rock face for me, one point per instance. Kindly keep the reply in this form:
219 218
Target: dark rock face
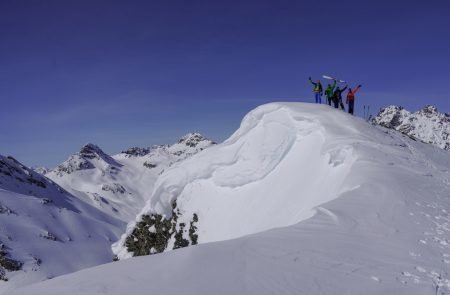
137 152
150 165
153 233
7 264
114 188
192 139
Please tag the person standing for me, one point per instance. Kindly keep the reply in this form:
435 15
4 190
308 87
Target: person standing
318 90
329 92
337 97
351 99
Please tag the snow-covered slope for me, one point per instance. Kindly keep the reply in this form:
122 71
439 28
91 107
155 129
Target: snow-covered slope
427 124
333 205
67 220
45 231
120 185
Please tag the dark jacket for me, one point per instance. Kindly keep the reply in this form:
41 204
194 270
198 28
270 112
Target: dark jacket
338 93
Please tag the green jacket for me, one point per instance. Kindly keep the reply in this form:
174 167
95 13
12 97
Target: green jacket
330 90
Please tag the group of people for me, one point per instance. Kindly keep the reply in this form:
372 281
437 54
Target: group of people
335 95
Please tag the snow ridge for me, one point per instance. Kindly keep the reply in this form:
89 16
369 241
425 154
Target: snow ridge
222 184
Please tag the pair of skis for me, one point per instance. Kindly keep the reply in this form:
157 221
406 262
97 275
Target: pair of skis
332 78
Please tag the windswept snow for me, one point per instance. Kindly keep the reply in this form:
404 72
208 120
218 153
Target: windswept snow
333 204
270 173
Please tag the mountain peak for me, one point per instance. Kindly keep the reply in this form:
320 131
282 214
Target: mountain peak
192 139
429 109
85 159
427 124
92 151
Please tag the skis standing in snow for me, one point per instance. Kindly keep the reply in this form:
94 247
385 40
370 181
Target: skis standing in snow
351 99
318 90
329 92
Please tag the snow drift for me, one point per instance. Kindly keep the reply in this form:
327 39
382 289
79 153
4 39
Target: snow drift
281 163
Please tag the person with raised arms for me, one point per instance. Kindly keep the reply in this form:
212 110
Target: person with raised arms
318 90
351 99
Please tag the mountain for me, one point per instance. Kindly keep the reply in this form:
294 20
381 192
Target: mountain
301 199
45 231
67 219
119 185
427 124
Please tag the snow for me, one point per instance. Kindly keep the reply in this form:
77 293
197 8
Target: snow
47 230
120 185
67 220
427 124
302 199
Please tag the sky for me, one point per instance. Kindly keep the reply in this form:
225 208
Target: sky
137 73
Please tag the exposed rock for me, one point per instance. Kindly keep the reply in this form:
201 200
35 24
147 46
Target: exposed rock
7 264
83 160
137 152
427 124
154 232
150 165
192 139
114 188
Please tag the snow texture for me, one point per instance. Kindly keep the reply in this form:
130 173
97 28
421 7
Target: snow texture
302 199
67 220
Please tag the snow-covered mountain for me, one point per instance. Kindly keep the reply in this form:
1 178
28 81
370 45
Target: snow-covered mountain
45 231
120 185
428 124
302 199
67 220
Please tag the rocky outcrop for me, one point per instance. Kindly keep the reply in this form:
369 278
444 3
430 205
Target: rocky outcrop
428 124
156 233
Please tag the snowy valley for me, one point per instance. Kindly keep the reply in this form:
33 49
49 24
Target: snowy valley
67 220
301 199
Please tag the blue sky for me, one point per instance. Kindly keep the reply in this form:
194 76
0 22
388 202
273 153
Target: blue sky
137 73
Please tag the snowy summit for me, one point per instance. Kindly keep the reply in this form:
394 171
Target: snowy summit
301 199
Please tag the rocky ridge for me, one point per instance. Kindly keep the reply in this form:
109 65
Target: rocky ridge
427 125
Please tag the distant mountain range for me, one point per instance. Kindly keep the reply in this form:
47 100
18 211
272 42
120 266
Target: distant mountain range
428 124
65 219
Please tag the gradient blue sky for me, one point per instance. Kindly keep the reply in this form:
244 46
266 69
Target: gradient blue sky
137 73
